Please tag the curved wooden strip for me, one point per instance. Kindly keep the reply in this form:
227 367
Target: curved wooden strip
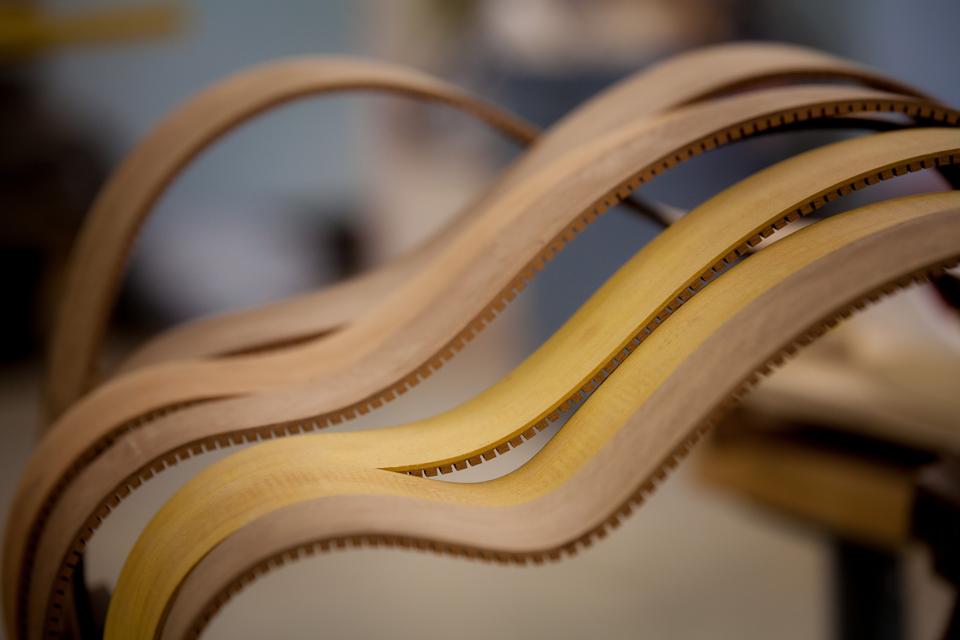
61 457
680 80
265 505
137 184
812 63
570 365
175 384
48 476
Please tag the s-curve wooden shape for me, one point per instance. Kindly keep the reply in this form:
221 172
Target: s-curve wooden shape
99 256
632 306
265 506
403 340
87 434
125 201
402 337
680 80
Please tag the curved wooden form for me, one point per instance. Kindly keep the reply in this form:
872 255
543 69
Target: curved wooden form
380 348
117 437
575 361
404 340
267 505
680 80
123 204
139 182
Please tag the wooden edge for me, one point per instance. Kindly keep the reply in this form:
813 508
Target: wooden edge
680 80
689 78
268 504
124 202
21 522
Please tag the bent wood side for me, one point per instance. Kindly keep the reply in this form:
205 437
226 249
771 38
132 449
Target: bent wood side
598 338
682 79
159 388
46 474
686 79
106 237
266 505
748 132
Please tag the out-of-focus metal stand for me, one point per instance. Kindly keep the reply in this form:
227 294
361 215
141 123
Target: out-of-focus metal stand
868 581
873 499
936 522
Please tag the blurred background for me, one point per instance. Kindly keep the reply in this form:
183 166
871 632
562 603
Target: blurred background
322 188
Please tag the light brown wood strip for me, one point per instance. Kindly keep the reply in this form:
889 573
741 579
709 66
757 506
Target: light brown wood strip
607 457
97 259
217 420
684 79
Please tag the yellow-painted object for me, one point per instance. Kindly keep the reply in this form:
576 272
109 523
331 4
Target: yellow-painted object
636 422
25 31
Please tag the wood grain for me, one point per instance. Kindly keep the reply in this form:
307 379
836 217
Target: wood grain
264 506
103 480
97 261
679 80
113 439
570 365
123 204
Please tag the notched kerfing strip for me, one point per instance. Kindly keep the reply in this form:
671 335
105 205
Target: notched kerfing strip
261 567
685 294
507 295
612 197
174 142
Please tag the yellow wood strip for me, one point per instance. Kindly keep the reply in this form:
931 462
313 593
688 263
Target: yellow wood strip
620 146
264 505
139 182
26 30
682 79
141 452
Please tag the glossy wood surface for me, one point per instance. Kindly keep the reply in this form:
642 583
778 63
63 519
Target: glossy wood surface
263 506
571 364
679 80
134 426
